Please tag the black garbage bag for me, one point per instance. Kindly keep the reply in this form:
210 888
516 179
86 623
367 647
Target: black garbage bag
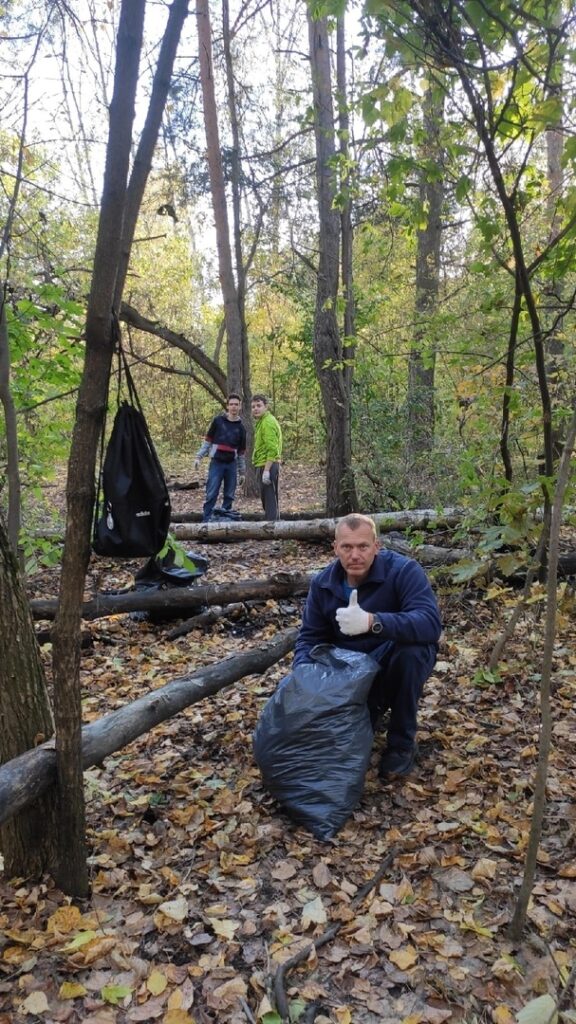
162 573
313 739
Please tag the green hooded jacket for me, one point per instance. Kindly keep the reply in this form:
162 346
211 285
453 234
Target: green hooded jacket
267 440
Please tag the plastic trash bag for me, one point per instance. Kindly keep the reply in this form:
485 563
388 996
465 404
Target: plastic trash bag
313 739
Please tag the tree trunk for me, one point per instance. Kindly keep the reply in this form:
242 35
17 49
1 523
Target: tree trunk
555 303
12 463
118 215
328 355
26 778
421 367
545 740
185 598
349 349
218 191
27 842
71 874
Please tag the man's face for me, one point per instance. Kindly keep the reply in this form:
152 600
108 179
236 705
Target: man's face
356 550
258 408
234 407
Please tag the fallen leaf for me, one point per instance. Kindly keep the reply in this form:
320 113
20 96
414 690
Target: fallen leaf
228 994
538 1011
284 870
71 990
177 1017
502 1014
176 910
224 928
64 920
455 880
404 958
321 875
156 982
313 913
484 869
35 1003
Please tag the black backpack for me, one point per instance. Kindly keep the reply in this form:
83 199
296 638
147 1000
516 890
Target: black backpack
132 505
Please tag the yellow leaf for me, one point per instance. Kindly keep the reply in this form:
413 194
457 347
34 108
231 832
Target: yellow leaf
15 954
82 939
71 990
343 1015
177 1017
175 1000
484 869
95 950
502 1015
64 920
156 982
404 958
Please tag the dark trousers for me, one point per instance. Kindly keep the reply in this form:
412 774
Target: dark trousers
398 686
269 492
218 473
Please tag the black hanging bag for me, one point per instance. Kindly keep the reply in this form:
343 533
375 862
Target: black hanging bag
132 505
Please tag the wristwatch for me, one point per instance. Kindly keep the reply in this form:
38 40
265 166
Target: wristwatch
376 626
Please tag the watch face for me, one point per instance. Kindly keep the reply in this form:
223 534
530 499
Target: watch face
377 627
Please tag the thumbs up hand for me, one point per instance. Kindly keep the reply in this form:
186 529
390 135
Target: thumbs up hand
353 620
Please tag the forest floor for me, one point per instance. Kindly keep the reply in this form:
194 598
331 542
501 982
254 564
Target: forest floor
201 887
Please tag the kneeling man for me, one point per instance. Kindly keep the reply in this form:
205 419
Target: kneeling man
382 604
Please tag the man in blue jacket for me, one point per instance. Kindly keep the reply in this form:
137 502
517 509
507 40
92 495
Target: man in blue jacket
381 603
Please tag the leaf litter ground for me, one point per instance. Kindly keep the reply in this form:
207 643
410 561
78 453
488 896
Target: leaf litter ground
201 887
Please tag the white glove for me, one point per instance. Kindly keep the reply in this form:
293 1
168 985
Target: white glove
353 620
266 477
241 481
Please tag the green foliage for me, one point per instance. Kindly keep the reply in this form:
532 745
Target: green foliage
179 555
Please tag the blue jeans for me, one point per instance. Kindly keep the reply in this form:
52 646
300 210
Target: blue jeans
218 473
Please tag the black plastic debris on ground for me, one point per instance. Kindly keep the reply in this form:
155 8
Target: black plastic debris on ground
162 573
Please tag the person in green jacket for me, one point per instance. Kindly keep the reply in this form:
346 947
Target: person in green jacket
266 454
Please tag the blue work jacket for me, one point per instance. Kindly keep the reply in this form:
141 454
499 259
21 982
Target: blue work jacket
397 592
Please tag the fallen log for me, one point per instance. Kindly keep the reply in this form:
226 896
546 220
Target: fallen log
204 619
281 584
312 530
25 778
251 517
428 555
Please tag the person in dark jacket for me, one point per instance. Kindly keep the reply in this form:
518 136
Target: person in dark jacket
225 442
381 603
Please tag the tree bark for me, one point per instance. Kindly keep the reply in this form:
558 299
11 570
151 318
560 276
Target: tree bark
26 778
71 874
545 740
187 598
131 316
313 529
219 206
119 210
27 842
421 367
7 401
328 354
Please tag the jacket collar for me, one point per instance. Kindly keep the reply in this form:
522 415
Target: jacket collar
379 571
